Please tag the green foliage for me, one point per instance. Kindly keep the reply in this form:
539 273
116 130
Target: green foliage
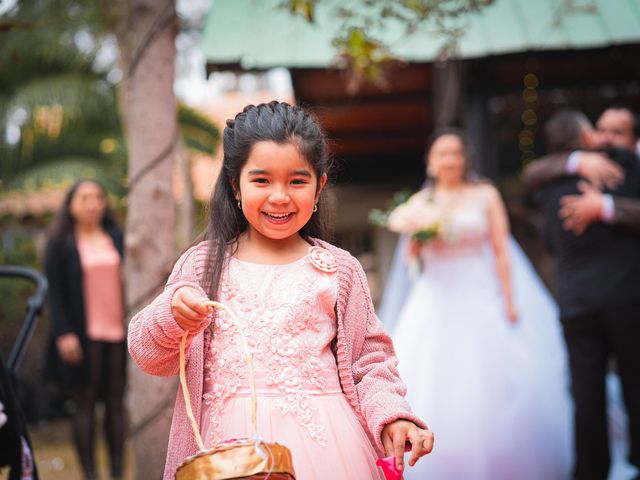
425 235
17 249
62 103
55 96
380 218
197 131
366 56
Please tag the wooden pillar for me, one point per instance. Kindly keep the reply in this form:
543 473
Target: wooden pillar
446 92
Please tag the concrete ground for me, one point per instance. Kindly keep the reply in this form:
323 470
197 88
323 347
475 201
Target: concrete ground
56 457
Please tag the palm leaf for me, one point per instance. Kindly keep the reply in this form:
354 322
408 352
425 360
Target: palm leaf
197 131
63 171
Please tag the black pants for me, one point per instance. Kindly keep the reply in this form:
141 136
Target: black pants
592 340
106 367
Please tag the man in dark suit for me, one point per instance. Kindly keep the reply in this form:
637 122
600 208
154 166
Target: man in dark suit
617 128
598 291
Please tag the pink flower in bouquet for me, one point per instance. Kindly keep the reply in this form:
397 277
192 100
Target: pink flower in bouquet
418 217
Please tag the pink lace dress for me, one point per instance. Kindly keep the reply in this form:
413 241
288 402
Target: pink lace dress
287 313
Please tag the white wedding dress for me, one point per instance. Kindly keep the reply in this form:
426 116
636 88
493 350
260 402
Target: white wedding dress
495 394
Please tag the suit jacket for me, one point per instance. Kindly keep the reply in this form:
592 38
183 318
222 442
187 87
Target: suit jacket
66 301
601 267
553 167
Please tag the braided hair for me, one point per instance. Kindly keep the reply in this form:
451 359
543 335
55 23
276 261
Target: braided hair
276 122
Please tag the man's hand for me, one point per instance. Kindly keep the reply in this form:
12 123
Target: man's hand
396 435
580 211
599 169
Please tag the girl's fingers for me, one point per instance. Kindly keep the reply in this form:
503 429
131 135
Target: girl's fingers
399 441
388 445
196 303
187 323
421 444
187 312
187 317
191 298
416 446
428 442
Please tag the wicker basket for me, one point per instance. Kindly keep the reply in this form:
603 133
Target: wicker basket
234 459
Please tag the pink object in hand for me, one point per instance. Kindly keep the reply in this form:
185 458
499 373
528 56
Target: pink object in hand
388 466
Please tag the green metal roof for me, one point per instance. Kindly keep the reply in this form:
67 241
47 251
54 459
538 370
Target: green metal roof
260 34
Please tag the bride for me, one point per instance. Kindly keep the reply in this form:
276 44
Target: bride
478 340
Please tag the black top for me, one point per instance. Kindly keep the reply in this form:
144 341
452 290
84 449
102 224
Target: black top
601 267
66 298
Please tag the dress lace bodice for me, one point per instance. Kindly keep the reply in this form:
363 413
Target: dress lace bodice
465 229
287 314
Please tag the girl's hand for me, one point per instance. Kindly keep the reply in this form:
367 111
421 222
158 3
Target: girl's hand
70 349
189 308
403 435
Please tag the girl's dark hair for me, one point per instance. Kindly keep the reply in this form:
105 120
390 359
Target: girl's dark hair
63 225
470 174
267 122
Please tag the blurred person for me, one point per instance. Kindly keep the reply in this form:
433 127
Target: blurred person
83 263
477 338
598 290
617 130
15 446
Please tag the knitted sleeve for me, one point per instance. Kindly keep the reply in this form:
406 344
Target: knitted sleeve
380 390
154 335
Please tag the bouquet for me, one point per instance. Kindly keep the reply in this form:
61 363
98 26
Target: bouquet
417 216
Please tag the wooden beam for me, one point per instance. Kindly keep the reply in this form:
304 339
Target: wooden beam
318 86
375 117
370 146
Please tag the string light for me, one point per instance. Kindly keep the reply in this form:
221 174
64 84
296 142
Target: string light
529 117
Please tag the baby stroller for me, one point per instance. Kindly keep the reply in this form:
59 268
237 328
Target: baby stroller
15 447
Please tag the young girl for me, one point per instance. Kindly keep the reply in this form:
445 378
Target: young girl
325 369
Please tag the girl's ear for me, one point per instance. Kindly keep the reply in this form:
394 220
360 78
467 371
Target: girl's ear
234 187
321 183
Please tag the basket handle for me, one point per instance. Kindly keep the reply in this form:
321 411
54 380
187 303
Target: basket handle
183 377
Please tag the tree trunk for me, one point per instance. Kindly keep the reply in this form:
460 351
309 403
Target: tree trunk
147 44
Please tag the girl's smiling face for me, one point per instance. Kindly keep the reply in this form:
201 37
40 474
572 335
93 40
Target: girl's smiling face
278 190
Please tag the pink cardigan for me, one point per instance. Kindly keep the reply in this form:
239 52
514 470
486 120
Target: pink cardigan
364 352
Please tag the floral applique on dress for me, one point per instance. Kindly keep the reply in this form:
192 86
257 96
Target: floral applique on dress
288 317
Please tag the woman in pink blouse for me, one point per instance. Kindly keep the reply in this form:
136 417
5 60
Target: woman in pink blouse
83 263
